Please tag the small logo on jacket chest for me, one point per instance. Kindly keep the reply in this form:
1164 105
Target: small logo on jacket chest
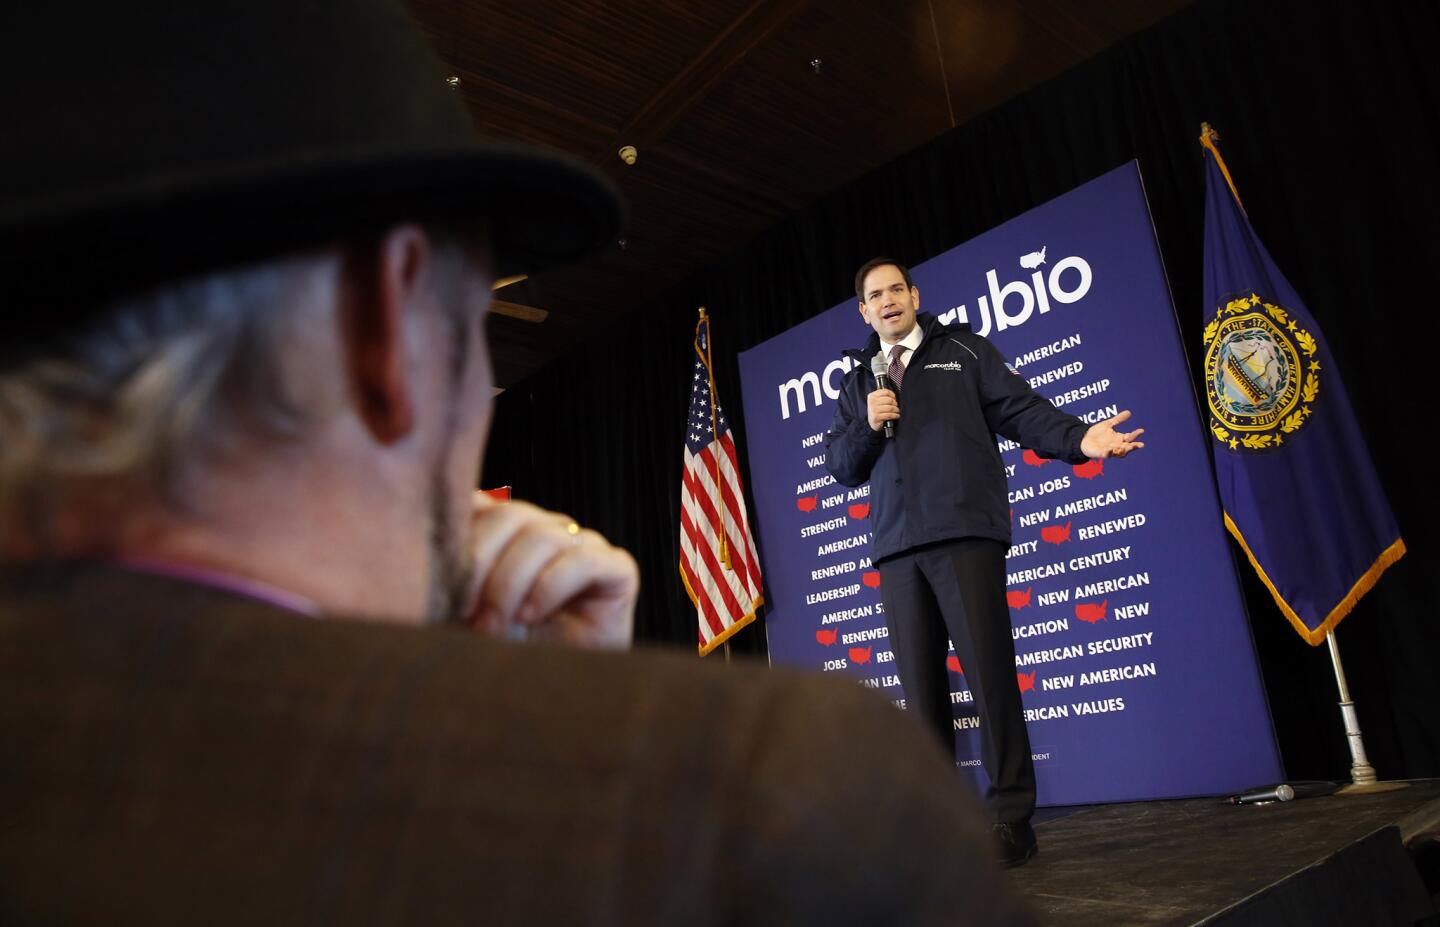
949 365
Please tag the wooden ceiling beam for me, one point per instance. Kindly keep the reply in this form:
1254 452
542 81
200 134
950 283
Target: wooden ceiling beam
740 186
756 24
470 83
1077 33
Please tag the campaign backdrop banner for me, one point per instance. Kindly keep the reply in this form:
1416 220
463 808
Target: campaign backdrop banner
1133 652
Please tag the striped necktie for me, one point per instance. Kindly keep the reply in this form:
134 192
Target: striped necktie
897 367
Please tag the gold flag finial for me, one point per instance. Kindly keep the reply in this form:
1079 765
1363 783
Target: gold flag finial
703 316
1208 138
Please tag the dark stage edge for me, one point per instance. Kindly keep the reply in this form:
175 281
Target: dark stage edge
1332 860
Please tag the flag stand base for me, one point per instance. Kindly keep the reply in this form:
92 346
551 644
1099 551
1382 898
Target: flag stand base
1364 781
1370 788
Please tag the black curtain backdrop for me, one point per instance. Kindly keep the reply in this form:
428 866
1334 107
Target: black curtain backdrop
1329 111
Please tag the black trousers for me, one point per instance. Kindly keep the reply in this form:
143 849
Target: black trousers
958 588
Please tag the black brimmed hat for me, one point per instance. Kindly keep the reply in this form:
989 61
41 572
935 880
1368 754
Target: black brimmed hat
143 140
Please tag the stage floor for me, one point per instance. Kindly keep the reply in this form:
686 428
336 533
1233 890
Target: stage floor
1315 860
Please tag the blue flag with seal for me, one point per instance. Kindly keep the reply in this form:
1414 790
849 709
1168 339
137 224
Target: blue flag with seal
1299 490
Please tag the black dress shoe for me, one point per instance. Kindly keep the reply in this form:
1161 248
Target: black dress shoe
1014 843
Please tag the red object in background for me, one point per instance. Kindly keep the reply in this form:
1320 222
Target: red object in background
860 654
1027 683
952 663
1017 599
501 494
871 578
806 503
826 637
1055 534
1089 611
860 510
1090 469
1034 459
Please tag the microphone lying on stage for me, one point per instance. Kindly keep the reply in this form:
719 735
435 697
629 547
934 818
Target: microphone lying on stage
1284 791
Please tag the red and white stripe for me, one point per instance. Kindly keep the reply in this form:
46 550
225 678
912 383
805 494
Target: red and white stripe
726 599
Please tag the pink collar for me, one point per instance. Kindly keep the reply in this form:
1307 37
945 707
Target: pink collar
250 588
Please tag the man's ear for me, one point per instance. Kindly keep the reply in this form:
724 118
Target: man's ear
383 278
863 314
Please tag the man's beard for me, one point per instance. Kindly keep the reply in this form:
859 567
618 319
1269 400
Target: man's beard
452 567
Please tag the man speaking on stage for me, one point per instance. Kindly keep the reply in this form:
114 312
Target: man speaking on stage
917 417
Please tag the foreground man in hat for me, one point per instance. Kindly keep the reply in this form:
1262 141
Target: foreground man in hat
244 393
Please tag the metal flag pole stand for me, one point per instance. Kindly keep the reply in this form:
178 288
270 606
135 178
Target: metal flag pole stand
1363 780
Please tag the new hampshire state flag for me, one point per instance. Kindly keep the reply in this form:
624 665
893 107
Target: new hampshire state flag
1299 490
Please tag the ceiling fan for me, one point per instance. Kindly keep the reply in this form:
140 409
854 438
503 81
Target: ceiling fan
515 310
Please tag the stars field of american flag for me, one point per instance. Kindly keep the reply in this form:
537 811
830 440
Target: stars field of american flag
718 563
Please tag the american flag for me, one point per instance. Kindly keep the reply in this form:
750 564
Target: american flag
717 554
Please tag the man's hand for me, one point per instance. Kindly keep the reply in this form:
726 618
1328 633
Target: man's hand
882 407
1102 440
539 575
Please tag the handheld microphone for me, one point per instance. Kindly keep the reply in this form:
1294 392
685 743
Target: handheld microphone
1286 791
1281 792
882 381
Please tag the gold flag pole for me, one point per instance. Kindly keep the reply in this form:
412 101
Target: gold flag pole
1208 138
1363 778
714 430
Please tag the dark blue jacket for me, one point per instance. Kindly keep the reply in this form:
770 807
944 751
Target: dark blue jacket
941 477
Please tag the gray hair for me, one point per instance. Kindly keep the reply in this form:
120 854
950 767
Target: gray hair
158 385
157 382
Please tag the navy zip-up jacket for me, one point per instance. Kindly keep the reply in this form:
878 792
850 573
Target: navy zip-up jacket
940 477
